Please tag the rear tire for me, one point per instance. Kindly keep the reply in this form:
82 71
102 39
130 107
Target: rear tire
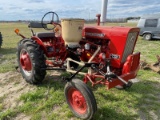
1 39
30 61
147 36
80 99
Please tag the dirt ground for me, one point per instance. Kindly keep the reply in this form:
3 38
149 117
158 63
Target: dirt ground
12 86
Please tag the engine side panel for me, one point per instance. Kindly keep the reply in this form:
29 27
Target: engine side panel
122 41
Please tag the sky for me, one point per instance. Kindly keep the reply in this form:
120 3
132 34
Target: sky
86 9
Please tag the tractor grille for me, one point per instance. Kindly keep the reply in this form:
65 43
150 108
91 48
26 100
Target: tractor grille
129 45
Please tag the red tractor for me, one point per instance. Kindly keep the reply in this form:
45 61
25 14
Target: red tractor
106 52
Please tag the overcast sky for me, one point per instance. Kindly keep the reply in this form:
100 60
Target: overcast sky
87 9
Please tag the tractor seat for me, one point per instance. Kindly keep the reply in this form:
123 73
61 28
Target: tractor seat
45 34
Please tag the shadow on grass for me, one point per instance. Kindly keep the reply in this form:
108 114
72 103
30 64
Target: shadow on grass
54 81
148 96
143 97
105 113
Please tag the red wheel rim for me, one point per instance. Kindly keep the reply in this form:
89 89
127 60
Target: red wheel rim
25 61
77 101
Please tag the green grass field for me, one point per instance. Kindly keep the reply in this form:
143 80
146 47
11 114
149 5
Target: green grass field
47 101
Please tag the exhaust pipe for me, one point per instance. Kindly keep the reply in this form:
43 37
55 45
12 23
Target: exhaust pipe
104 11
98 19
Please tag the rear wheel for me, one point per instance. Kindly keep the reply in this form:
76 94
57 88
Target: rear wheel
0 39
80 99
147 36
30 61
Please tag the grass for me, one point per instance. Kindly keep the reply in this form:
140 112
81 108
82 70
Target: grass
47 101
10 39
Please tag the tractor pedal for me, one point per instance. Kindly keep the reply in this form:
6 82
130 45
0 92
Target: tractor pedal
126 86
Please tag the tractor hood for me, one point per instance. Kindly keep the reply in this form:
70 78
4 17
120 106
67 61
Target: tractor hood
103 32
122 41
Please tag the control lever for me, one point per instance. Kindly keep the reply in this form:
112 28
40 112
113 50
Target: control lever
110 75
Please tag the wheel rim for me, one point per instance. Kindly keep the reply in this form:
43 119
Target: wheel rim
148 36
77 101
25 62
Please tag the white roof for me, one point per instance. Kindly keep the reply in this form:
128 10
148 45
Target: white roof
153 16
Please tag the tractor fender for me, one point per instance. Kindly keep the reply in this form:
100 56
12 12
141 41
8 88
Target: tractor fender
39 42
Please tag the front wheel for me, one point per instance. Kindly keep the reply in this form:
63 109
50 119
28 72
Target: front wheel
80 99
147 36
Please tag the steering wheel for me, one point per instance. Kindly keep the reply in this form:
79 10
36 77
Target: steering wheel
50 20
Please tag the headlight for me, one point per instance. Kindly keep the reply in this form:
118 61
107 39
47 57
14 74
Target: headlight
102 56
87 46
